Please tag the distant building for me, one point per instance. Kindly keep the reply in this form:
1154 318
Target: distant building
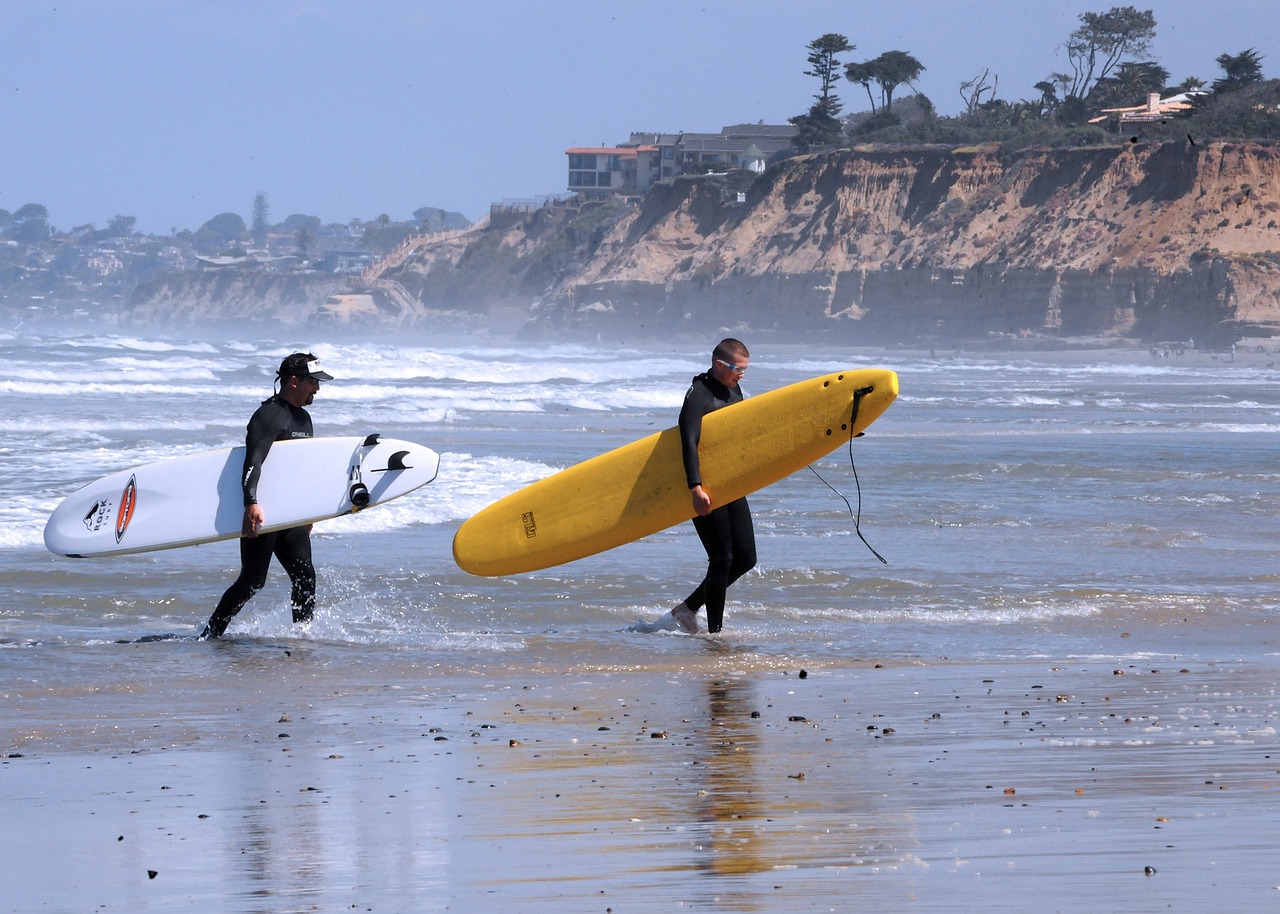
632 167
252 260
604 170
1156 109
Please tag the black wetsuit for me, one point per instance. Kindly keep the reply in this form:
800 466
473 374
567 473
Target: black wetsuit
726 533
275 420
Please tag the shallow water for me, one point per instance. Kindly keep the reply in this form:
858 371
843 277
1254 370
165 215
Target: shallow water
1024 505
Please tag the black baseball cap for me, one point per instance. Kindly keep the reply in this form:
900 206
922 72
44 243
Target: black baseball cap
302 365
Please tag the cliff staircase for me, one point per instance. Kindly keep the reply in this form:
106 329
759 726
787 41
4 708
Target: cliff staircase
403 251
373 278
410 308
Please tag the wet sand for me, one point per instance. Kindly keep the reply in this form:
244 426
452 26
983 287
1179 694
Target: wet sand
892 786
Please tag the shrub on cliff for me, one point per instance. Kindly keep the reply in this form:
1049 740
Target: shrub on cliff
982 129
1249 113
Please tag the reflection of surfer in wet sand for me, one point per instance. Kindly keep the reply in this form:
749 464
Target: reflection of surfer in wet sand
732 790
725 530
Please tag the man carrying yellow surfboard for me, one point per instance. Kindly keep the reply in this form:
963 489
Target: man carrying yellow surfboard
725 530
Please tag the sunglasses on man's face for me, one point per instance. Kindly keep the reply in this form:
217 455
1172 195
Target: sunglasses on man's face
736 369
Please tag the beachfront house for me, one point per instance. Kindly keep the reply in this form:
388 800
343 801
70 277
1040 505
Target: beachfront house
631 168
1156 109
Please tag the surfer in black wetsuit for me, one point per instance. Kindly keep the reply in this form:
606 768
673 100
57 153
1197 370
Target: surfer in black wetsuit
726 531
280 418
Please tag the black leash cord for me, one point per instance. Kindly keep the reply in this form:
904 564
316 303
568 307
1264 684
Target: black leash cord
855 514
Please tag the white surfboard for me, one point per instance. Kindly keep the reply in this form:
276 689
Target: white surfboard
186 501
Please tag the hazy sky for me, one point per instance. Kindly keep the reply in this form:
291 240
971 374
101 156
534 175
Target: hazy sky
174 111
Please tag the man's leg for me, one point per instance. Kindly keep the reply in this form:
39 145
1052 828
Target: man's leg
293 549
728 536
255 560
743 534
714 532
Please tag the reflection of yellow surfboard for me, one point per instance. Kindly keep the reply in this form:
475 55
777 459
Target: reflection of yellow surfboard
639 489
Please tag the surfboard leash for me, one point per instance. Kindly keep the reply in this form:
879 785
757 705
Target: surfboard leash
855 514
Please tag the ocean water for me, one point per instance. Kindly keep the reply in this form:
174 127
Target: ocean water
1045 505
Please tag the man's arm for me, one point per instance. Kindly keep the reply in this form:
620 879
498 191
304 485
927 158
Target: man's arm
697 402
263 429
256 449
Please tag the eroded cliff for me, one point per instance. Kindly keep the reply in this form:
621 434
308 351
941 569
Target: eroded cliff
1165 241
904 245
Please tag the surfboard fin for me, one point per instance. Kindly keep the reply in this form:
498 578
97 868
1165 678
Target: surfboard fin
396 461
371 440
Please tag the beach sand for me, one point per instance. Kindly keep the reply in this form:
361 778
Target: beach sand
717 783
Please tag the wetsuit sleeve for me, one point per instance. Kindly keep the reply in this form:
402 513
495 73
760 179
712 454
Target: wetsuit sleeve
697 403
264 428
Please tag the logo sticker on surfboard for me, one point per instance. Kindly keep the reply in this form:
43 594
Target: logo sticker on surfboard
96 517
128 501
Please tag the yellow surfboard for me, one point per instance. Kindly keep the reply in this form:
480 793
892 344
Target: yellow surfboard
639 488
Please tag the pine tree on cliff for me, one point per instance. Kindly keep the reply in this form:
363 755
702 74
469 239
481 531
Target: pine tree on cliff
821 125
1238 71
261 219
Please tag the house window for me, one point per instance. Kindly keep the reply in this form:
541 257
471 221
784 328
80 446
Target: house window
582 160
582 179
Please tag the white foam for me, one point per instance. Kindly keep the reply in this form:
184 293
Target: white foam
138 343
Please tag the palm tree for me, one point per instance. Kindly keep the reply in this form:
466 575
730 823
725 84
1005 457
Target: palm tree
1048 101
1190 84
1130 85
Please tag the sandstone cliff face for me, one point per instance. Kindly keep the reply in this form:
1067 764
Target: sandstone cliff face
915 245
1157 241
203 297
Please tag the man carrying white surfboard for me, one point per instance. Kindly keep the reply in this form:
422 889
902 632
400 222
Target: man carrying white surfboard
725 530
281 417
